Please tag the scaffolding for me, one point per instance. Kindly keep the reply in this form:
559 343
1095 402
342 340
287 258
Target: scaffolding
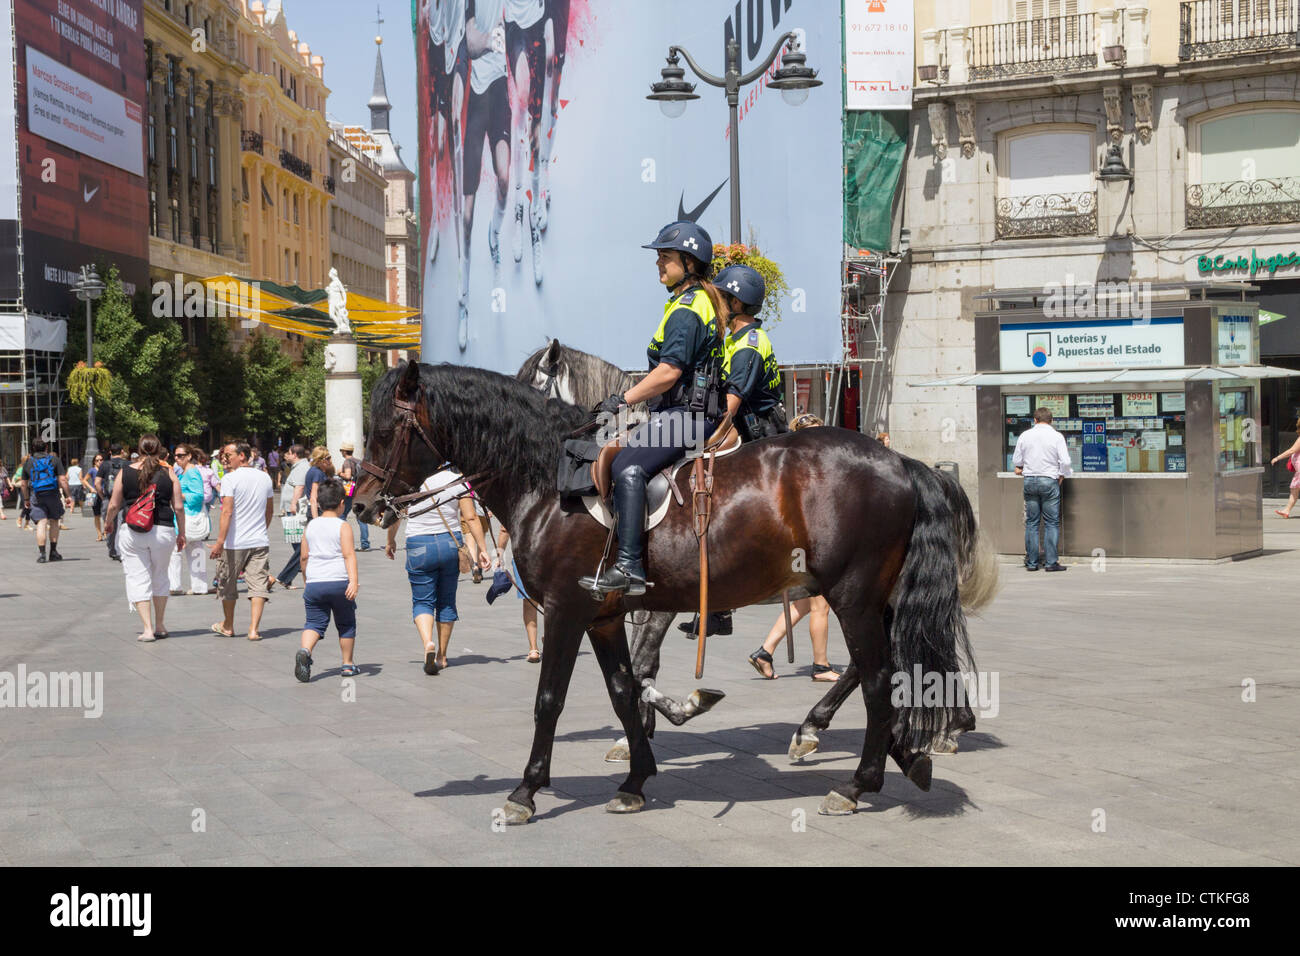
30 400
865 292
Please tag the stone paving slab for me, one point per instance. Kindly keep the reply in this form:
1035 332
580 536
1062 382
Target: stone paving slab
1119 692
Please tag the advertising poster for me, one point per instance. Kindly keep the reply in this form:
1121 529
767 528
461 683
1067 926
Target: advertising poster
1058 405
1139 403
1103 343
1094 446
1018 405
879 46
543 170
9 287
1173 401
79 69
1235 340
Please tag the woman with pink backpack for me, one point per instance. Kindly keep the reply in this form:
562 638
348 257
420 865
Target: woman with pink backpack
150 498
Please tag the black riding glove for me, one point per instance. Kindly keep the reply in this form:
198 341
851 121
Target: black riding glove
610 405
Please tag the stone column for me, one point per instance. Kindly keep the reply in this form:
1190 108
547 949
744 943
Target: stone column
159 110
181 112
201 144
343 413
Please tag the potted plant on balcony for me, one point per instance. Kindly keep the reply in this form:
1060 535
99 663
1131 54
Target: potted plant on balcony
749 254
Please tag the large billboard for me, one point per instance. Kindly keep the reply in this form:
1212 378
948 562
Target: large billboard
9 287
536 198
80 73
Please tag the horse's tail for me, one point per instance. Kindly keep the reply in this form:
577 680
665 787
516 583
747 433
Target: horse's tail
947 565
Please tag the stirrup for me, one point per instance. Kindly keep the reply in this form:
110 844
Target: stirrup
614 579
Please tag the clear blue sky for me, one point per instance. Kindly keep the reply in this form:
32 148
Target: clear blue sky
343 32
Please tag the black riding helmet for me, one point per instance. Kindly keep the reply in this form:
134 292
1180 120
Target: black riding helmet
685 237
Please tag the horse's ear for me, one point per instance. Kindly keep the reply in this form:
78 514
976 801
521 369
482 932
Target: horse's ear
553 352
409 383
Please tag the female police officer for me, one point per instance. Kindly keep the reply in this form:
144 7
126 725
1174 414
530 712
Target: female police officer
683 389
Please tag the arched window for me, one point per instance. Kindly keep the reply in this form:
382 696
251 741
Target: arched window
1045 182
1241 166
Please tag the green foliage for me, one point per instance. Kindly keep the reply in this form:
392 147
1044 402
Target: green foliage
82 381
309 394
748 254
372 368
220 379
269 387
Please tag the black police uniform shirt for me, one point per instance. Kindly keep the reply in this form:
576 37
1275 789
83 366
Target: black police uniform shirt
686 346
746 379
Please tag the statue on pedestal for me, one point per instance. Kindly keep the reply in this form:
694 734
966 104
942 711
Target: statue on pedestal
338 304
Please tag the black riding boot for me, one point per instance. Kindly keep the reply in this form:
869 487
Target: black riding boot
719 623
628 573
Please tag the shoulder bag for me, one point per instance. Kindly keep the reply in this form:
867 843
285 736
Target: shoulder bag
462 551
140 515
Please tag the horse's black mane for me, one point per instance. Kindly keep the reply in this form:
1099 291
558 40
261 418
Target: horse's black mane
485 421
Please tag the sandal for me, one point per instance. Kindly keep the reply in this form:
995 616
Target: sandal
302 665
825 673
534 657
218 629
350 670
760 657
146 638
162 635
1277 511
431 661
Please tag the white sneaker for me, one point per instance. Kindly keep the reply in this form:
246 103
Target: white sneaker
518 241
494 245
536 232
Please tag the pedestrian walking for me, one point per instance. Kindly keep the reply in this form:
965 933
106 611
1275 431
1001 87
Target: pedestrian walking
76 492
319 467
529 605
273 466
1293 465
329 563
96 502
1043 459
434 543
45 481
322 467
5 488
104 484
197 525
150 499
350 472
25 522
243 545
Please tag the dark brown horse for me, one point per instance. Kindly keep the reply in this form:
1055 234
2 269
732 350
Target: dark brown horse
825 509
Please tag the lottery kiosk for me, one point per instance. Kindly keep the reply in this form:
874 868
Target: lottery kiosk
1158 411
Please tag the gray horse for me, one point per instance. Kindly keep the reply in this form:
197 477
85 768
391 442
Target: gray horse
583 379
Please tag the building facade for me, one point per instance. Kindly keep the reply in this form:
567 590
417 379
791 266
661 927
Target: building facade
356 217
194 72
284 168
1122 151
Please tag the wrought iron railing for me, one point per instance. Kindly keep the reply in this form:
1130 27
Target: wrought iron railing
298 167
328 181
250 141
1244 202
1208 28
1045 45
1051 214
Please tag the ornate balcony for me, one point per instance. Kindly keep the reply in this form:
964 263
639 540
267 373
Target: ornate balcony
250 141
328 182
1053 214
298 167
1243 203
1047 45
1211 28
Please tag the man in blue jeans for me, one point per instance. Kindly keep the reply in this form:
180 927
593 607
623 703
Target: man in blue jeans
1044 461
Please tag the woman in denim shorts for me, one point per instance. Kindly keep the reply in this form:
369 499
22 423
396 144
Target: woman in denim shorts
433 538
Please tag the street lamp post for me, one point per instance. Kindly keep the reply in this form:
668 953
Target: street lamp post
88 288
794 79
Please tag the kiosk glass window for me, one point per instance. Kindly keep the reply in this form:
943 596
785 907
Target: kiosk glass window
1111 432
1235 422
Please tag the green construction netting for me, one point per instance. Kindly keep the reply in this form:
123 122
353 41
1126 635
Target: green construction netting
875 145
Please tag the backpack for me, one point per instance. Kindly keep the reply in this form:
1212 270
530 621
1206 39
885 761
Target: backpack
110 476
43 477
140 515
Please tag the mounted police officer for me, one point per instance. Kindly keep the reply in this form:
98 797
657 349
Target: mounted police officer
683 389
752 378
755 394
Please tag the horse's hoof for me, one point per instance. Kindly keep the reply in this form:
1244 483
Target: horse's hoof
836 804
801 745
703 700
625 803
620 752
515 814
921 772
945 745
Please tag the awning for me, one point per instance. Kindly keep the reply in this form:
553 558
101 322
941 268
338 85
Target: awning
1186 373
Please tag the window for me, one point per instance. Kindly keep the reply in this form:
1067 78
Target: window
243 179
172 159
196 235
1234 412
1247 145
153 139
295 210
153 212
1113 432
214 230
1045 183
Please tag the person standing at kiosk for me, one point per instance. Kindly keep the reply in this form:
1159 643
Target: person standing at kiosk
1044 461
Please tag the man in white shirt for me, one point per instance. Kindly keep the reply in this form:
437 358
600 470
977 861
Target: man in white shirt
243 545
1044 461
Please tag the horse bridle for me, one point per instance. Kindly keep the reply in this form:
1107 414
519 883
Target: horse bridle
548 386
408 422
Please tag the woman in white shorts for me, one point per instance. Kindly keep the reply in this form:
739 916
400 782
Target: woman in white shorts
146 554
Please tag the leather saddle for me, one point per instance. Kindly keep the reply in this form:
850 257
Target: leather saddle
661 487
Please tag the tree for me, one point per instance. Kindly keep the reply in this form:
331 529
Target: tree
269 387
220 379
309 394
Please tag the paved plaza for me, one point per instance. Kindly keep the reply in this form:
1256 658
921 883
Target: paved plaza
1120 710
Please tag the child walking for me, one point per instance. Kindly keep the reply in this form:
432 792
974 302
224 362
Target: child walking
331 580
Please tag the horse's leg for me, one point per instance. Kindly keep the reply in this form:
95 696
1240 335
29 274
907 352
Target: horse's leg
609 641
805 739
647 639
562 644
868 642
